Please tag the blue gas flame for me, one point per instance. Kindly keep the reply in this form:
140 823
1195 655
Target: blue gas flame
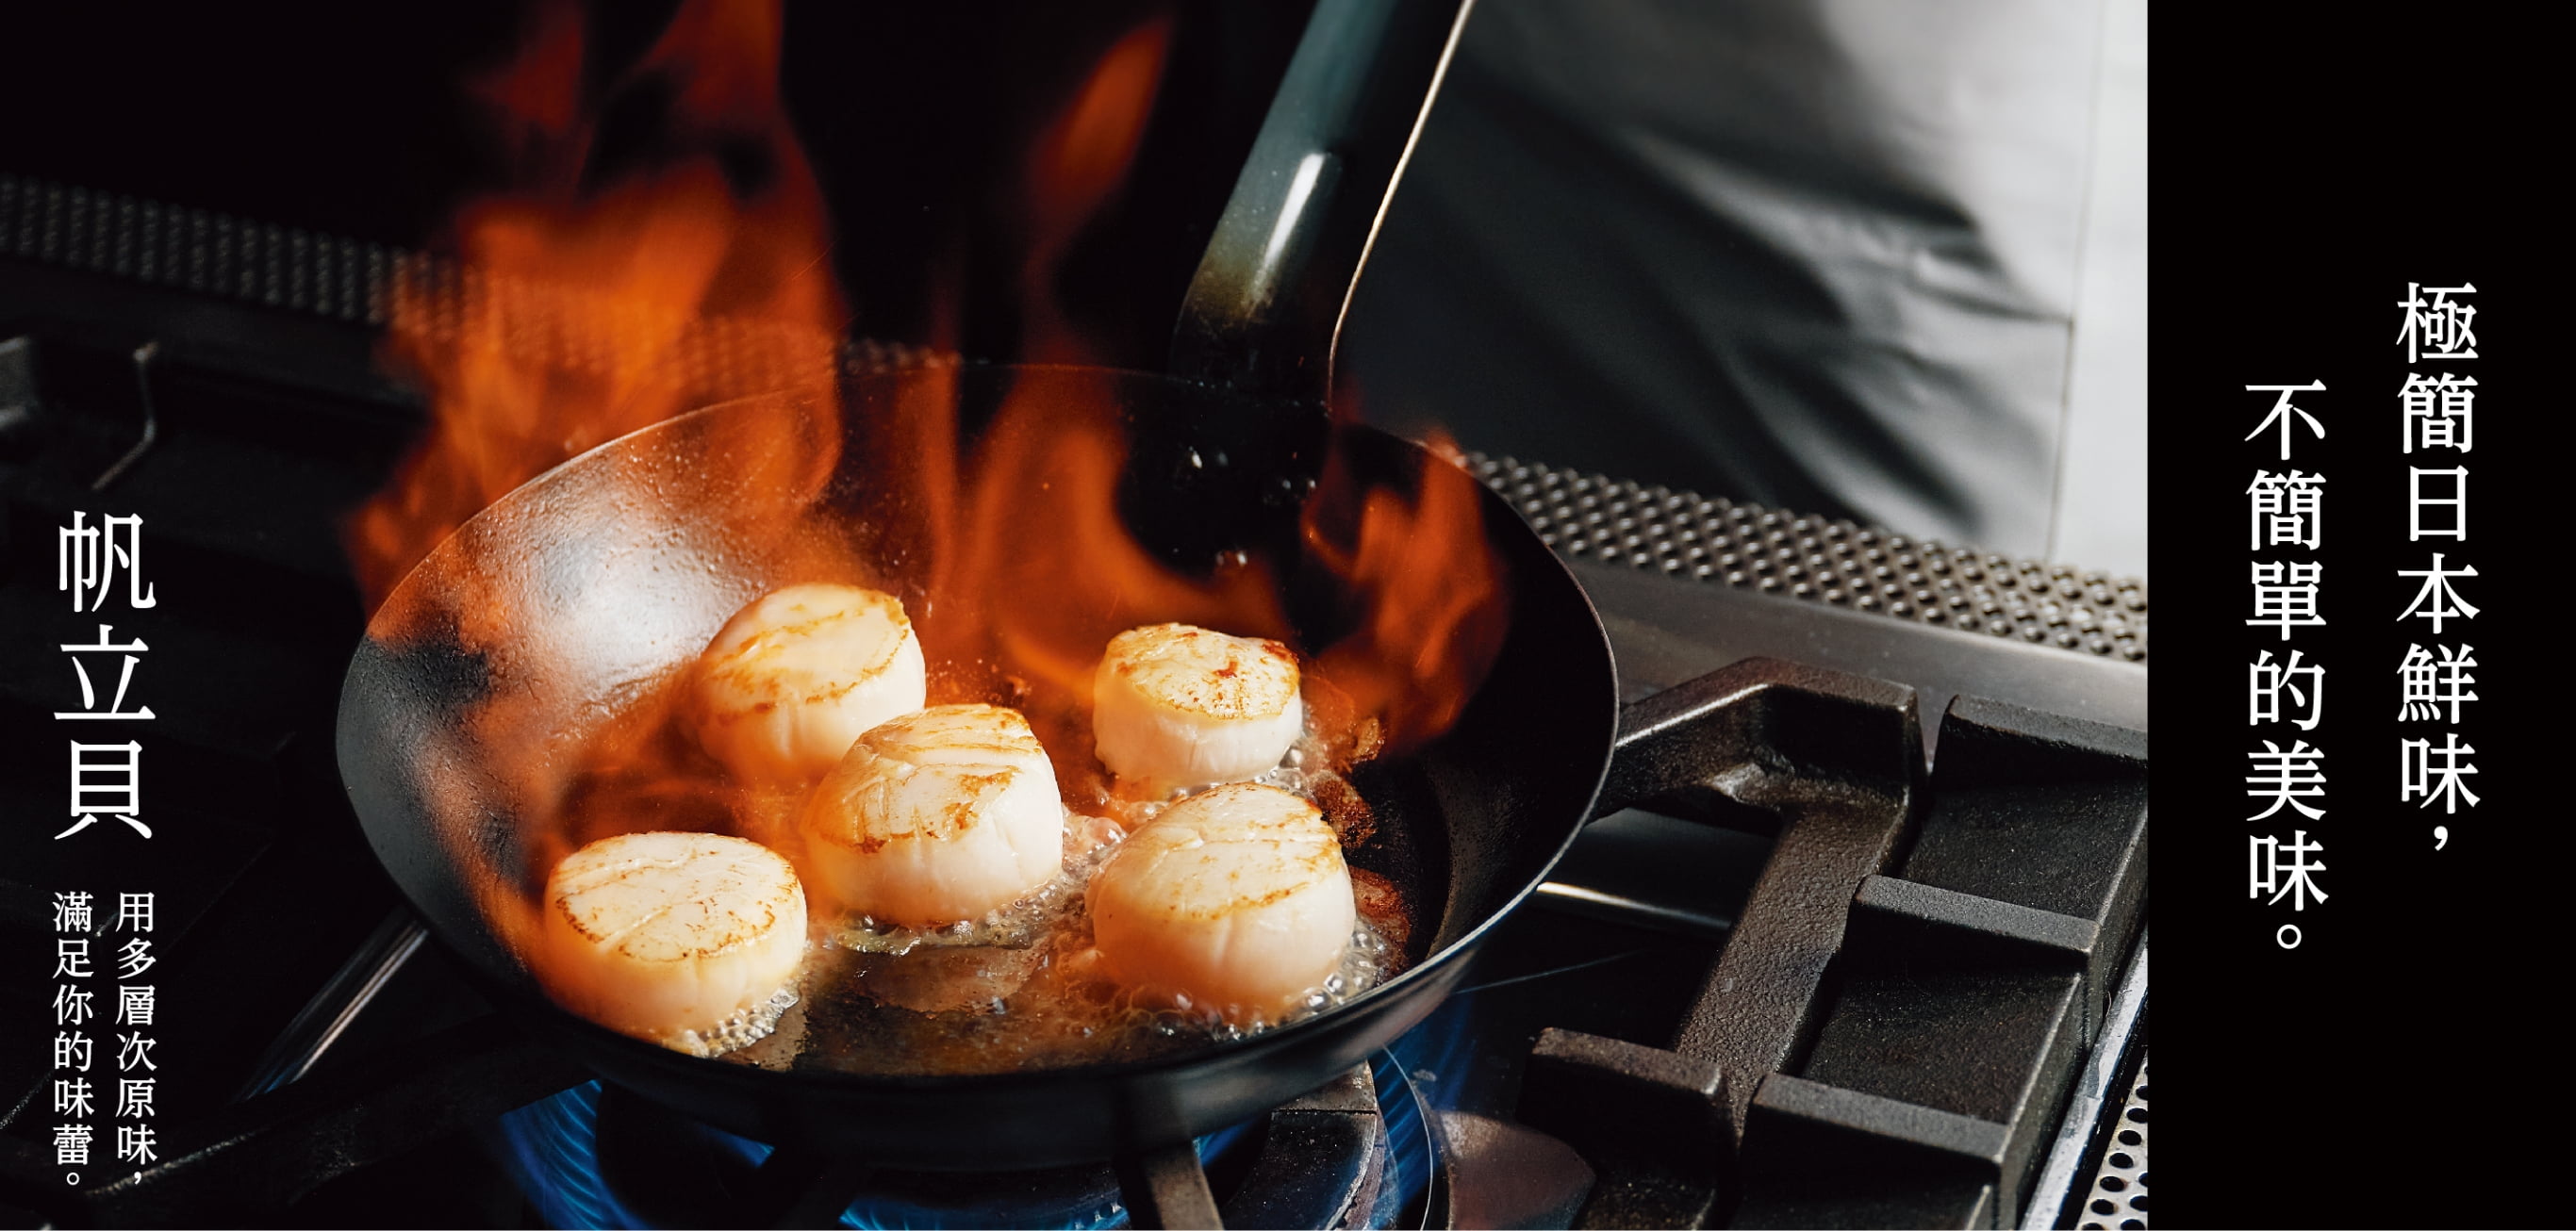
551 1147
1416 1077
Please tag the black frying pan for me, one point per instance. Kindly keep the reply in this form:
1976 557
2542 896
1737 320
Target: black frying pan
619 565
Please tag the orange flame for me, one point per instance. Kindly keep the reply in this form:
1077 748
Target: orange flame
1076 166
575 318
1432 597
1038 570
578 315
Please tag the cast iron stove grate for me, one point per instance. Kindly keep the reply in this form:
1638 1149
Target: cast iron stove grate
1890 1030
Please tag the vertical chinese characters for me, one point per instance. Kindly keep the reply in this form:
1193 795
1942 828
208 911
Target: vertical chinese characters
74 1048
99 566
106 776
135 1011
2437 418
2285 529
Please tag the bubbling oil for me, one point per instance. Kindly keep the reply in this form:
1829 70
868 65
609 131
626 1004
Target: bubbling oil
748 1025
1063 1015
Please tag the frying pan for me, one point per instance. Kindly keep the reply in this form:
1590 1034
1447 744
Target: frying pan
618 566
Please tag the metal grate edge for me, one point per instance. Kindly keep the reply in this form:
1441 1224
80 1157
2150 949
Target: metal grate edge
1836 562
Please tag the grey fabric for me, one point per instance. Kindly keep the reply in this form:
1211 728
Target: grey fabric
1820 254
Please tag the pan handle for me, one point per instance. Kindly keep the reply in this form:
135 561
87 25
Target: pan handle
1762 721
1264 311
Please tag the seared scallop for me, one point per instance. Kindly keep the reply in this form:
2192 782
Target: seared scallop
793 679
1234 901
1177 706
654 934
937 817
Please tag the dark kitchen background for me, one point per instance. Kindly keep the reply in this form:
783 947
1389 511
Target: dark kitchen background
358 121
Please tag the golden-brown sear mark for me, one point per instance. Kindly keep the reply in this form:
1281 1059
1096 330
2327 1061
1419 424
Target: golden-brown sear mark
748 665
1206 672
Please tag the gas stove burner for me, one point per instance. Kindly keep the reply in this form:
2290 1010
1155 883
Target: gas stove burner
1354 1155
597 1156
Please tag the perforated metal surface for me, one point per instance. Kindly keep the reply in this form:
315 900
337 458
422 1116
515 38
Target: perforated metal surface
2119 1196
1842 563
209 253
196 250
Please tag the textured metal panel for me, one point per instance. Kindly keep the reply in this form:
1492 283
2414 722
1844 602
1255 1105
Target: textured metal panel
1859 568
2119 1196
192 250
208 253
